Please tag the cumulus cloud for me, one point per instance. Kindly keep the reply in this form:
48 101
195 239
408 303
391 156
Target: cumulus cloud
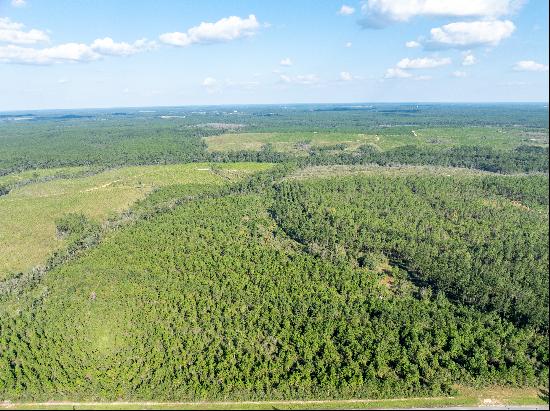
223 30
530 65
396 72
348 44
412 44
469 59
379 13
459 73
346 10
69 52
286 62
107 46
13 33
18 3
470 34
423 63
346 76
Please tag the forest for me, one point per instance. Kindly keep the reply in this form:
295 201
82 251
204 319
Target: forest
338 256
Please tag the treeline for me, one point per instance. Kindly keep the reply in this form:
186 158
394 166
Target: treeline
47 145
524 159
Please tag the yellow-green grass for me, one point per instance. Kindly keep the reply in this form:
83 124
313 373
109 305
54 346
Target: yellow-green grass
373 169
466 397
383 138
284 142
28 213
11 179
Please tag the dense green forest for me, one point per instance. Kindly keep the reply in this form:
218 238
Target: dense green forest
212 297
97 138
343 270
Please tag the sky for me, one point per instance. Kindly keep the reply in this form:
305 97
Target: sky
138 53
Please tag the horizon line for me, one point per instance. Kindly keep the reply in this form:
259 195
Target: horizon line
278 104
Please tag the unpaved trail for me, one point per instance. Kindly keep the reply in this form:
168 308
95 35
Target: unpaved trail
100 187
15 405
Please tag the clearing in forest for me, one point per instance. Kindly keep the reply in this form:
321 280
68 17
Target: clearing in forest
28 213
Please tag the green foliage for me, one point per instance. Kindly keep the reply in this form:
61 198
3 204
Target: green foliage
211 286
481 249
211 301
109 143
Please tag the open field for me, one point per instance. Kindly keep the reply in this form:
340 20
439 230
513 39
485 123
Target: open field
29 176
284 142
28 213
381 138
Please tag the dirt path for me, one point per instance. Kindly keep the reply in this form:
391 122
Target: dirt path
208 403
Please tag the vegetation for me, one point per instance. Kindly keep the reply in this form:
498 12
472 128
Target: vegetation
408 266
29 212
213 300
500 138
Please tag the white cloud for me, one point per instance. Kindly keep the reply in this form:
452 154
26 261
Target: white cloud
397 73
209 82
412 44
62 81
469 59
223 30
470 34
305 79
243 85
423 63
379 13
18 3
348 44
346 10
107 46
459 73
286 62
211 85
69 52
530 65
346 76
13 33
285 79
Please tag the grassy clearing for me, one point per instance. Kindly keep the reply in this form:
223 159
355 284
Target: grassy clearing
295 142
383 138
32 175
28 213
466 397
344 170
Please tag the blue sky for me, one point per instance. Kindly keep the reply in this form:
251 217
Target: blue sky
78 54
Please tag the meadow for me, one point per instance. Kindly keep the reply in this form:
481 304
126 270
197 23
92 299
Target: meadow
382 138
